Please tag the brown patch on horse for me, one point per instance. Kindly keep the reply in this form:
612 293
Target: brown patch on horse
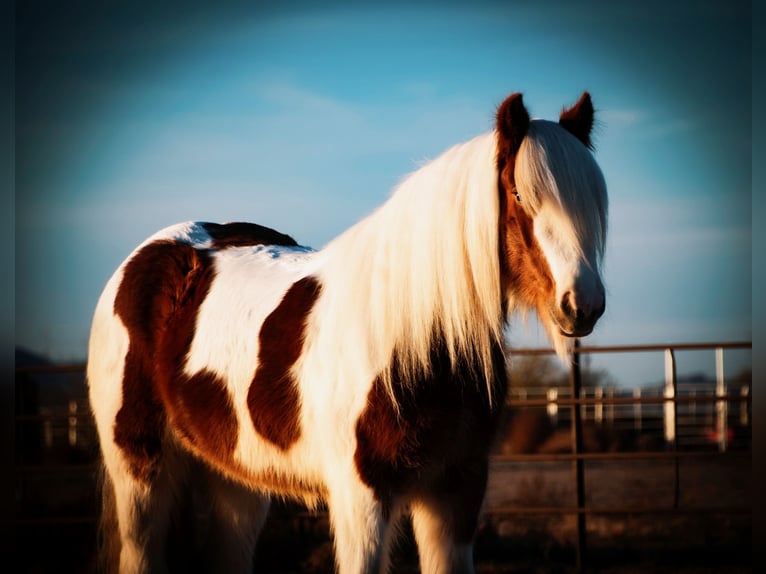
241 234
273 397
436 445
162 288
202 414
523 267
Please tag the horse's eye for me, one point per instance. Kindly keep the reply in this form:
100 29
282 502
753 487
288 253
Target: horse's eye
518 197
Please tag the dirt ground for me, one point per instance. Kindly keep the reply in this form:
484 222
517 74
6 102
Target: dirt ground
697 540
704 538
704 535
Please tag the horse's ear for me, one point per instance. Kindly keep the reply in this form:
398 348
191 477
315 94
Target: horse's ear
512 124
578 120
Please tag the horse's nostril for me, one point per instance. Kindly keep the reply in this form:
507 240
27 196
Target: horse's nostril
566 303
581 312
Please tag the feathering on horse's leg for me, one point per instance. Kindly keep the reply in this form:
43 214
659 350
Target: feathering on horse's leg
143 513
107 559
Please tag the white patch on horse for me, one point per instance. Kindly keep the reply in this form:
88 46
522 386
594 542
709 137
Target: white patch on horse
249 284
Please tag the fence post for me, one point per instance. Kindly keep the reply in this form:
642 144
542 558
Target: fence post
744 418
671 419
598 408
72 432
720 406
552 408
610 405
670 393
577 448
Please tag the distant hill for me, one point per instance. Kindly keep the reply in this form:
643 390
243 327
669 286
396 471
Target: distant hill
27 358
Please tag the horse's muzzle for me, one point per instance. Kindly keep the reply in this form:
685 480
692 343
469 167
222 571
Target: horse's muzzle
576 316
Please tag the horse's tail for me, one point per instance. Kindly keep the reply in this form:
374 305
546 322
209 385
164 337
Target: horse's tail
107 535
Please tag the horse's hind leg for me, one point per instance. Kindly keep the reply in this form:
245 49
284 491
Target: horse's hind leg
236 516
143 498
143 512
107 558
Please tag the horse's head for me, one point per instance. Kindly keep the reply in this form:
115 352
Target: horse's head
553 216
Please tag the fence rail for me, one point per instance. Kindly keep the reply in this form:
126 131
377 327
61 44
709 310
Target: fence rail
31 413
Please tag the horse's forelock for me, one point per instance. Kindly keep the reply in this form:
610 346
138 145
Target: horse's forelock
553 167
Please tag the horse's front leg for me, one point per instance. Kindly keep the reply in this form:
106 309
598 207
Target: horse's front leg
359 527
445 517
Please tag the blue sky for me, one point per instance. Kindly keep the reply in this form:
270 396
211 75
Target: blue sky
303 118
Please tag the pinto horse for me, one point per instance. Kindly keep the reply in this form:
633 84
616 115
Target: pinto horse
229 361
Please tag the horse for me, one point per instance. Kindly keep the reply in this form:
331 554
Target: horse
227 360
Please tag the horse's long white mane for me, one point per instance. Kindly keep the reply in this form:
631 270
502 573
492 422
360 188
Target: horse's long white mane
427 262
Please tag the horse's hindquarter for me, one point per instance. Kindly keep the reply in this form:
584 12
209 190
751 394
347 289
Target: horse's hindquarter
176 344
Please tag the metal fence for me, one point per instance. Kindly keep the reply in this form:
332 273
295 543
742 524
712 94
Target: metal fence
672 404
57 447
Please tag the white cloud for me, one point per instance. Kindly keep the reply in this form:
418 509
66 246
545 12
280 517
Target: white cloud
642 124
619 118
